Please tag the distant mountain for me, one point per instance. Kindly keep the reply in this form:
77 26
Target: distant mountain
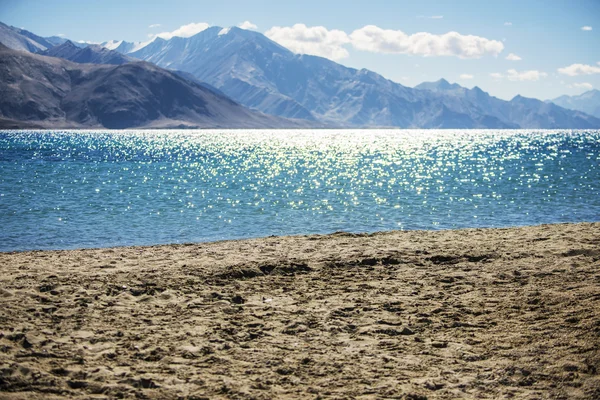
520 112
440 86
535 113
92 54
121 46
232 63
50 92
66 50
20 39
261 74
588 102
97 54
58 40
32 36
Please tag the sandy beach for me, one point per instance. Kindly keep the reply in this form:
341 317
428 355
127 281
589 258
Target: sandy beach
478 313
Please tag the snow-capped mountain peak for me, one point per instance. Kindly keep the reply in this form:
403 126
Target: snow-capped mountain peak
111 44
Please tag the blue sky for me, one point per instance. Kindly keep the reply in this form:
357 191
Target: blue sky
552 46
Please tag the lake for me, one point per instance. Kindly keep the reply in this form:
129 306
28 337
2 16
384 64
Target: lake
74 189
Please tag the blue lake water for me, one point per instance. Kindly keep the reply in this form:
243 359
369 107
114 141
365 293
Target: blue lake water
73 189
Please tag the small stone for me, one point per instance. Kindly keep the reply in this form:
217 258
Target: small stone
237 299
407 331
434 385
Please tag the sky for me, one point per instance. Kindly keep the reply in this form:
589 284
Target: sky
534 48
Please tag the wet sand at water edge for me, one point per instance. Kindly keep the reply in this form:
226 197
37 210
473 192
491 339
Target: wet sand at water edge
477 313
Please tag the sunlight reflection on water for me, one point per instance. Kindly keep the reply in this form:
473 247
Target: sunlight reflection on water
102 188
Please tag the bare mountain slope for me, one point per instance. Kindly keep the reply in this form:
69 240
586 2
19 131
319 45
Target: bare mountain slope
52 92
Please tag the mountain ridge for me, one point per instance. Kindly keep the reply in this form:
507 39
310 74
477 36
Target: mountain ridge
51 92
587 102
92 54
265 76
261 74
20 39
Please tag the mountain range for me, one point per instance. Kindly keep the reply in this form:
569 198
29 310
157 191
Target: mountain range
49 92
92 54
262 75
20 39
588 102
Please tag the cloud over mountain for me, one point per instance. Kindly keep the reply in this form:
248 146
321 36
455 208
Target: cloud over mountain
247 25
315 40
184 31
579 69
520 76
374 39
582 85
531 75
320 41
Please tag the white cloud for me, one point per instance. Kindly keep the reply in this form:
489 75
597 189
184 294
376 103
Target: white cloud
318 40
374 39
431 16
532 75
87 42
184 31
579 69
514 75
154 26
583 85
466 76
513 57
586 28
60 35
247 25
508 24
315 40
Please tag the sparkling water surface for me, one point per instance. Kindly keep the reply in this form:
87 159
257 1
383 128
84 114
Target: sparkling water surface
74 189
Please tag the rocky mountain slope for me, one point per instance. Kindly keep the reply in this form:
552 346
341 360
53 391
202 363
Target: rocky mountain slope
20 39
259 73
51 92
93 54
588 102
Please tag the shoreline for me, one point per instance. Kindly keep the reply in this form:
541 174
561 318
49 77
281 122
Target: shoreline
470 313
300 235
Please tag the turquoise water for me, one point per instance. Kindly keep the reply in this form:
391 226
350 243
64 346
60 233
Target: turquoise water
72 189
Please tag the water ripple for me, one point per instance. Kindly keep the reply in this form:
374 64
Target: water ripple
67 189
